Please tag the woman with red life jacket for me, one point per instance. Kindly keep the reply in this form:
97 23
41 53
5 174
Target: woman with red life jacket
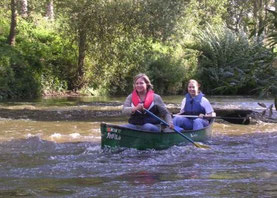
194 103
142 97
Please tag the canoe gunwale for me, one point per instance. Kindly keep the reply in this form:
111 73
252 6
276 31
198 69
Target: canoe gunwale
160 132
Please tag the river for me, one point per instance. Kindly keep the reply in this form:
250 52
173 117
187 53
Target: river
63 158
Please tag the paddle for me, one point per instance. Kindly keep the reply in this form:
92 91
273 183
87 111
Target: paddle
234 120
177 130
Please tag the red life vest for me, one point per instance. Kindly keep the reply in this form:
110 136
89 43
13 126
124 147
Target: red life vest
140 118
148 99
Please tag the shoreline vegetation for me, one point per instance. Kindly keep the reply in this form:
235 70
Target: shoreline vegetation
88 47
68 93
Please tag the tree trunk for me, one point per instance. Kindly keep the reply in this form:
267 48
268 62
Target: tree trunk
255 14
261 11
81 59
50 10
258 16
24 8
11 38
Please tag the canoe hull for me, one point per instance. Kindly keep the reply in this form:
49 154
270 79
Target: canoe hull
114 136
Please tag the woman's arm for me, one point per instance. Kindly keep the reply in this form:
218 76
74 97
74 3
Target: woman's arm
208 108
183 104
127 106
163 110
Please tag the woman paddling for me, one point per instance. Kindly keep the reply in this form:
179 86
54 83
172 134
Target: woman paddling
194 103
143 97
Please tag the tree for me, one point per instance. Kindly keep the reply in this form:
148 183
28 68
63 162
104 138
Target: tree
50 10
249 16
12 35
81 17
100 25
24 8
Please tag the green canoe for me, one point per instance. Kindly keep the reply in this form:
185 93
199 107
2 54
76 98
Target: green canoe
115 136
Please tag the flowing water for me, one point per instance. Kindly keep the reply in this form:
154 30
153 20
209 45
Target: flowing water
61 158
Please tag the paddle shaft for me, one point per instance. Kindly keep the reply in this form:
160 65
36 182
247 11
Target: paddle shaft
175 129
216 117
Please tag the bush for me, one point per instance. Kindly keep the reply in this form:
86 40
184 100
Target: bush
41 61
128 58
229 63
167 74
111 70
16 78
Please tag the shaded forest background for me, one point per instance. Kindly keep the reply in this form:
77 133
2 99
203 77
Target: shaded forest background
95 47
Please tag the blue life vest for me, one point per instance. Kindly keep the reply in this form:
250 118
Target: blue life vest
193 106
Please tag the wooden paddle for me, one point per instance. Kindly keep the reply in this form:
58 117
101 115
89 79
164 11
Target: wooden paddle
177 130
234 120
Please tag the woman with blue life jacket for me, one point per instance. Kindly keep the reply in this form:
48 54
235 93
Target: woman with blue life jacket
194 103
143 97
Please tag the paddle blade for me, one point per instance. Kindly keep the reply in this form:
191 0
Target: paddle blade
198 145
262 104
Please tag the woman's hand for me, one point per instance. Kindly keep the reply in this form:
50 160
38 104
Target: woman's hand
171 126
201 115
139 107
213 114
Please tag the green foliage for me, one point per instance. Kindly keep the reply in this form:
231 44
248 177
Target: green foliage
113 71
16 78
271 25
50 55
128 58
165 69
158 19
229 63
267 84
4 27
100 45
6 79
266 75
167 75
41 61
116 35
